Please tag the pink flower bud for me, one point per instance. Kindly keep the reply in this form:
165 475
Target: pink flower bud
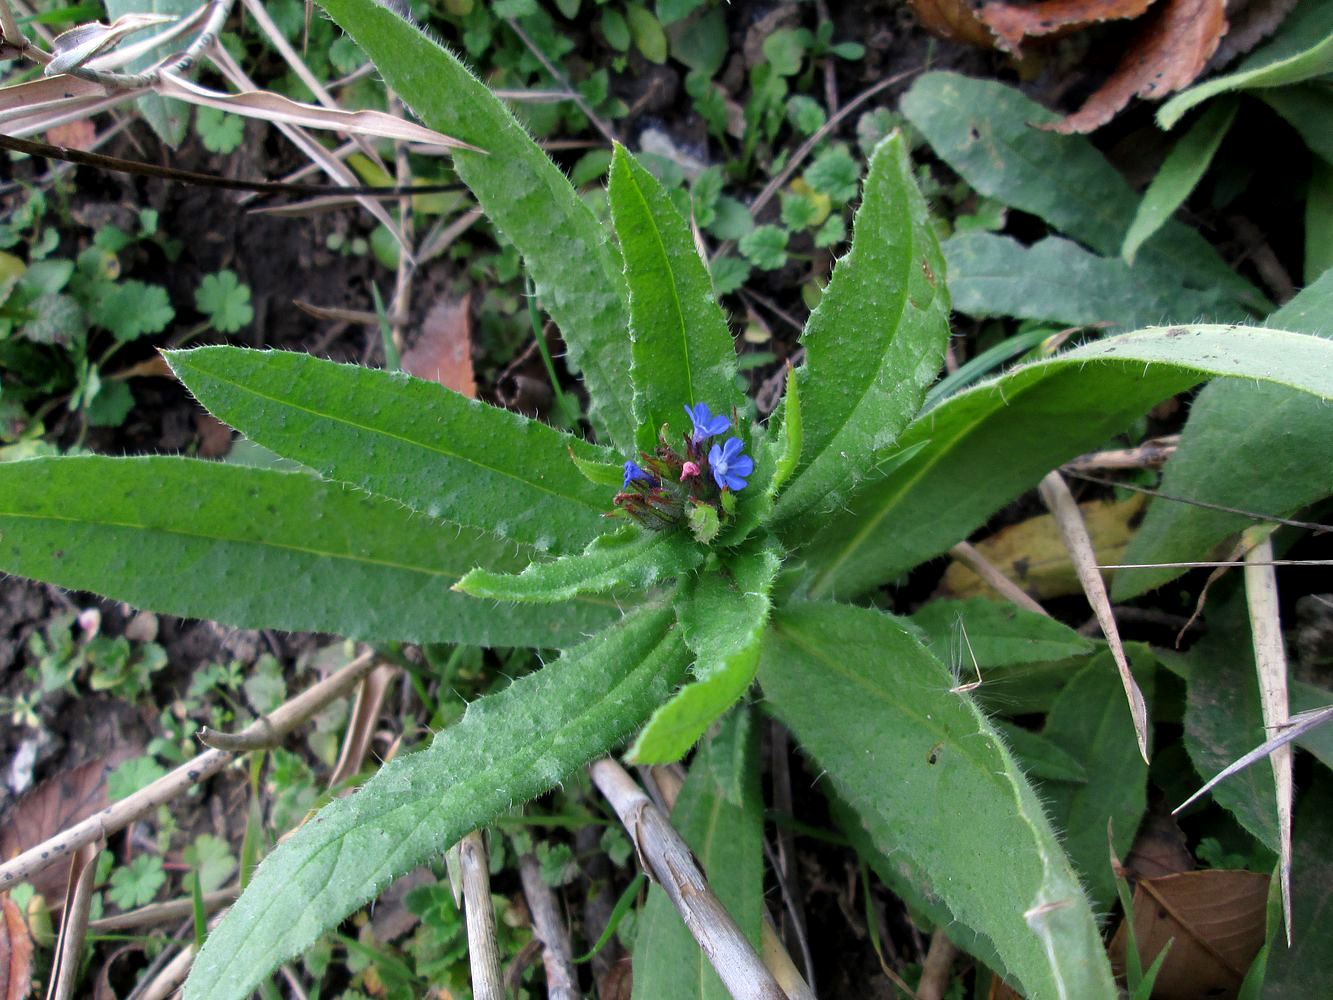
690 470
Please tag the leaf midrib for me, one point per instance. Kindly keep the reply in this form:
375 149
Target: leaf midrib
671 280
425 446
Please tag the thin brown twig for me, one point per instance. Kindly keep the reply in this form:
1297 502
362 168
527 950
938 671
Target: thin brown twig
120 814
560 78
968 554
562 982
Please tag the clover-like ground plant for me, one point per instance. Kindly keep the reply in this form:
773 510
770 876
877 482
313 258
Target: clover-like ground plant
736 552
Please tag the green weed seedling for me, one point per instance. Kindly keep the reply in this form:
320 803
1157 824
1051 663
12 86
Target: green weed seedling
736 552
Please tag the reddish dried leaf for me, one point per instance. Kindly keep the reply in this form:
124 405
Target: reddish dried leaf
78 134
15 952
443 350
1177 39
1012 23
1251 23
54 805
1218 921
1159 847
954 20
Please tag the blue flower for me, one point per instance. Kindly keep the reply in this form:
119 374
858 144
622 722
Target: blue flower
705 424
730 467
633 472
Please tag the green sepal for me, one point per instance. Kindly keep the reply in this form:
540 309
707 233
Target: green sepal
630 557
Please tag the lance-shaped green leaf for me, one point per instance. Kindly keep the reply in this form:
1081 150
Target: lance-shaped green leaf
722 615
720 814
1090 721
1059 281
793 435
565 249
985 131
874 343
630 557
985 446
1179 173
507 748
996 634
1260 448
1306 968
256 548
408 439
682 350
873 709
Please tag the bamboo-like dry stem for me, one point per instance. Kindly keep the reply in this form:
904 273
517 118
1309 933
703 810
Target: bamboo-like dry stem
483 949
120 814
668 861
562 982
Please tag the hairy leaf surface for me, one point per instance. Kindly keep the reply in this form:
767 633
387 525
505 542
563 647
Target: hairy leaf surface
1059 281
682 350
987 132
970 467
931 781
411 440
722 615
507 748
565 249
630 557
1261 448
874 343
720 814
256 548
997 633
1090 721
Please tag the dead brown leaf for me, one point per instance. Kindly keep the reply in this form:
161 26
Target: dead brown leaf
1012 23
954 20
78 134
1171 48
55 804
1217 919
443 350
214 436
15 952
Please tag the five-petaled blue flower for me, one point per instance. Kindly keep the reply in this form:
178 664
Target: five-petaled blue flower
633 472
705 424
730 467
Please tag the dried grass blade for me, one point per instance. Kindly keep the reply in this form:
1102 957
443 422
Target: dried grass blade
1270 660
1061 503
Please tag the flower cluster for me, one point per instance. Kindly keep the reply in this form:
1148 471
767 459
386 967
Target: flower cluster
668 487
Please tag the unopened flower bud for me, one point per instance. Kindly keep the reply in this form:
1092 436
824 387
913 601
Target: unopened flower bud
690 470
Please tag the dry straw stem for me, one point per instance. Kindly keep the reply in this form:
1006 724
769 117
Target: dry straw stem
120 814
562 982
1055 494
482 948
160 913
967 554
669 780
74 923
1149 455
668 861
1270 660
